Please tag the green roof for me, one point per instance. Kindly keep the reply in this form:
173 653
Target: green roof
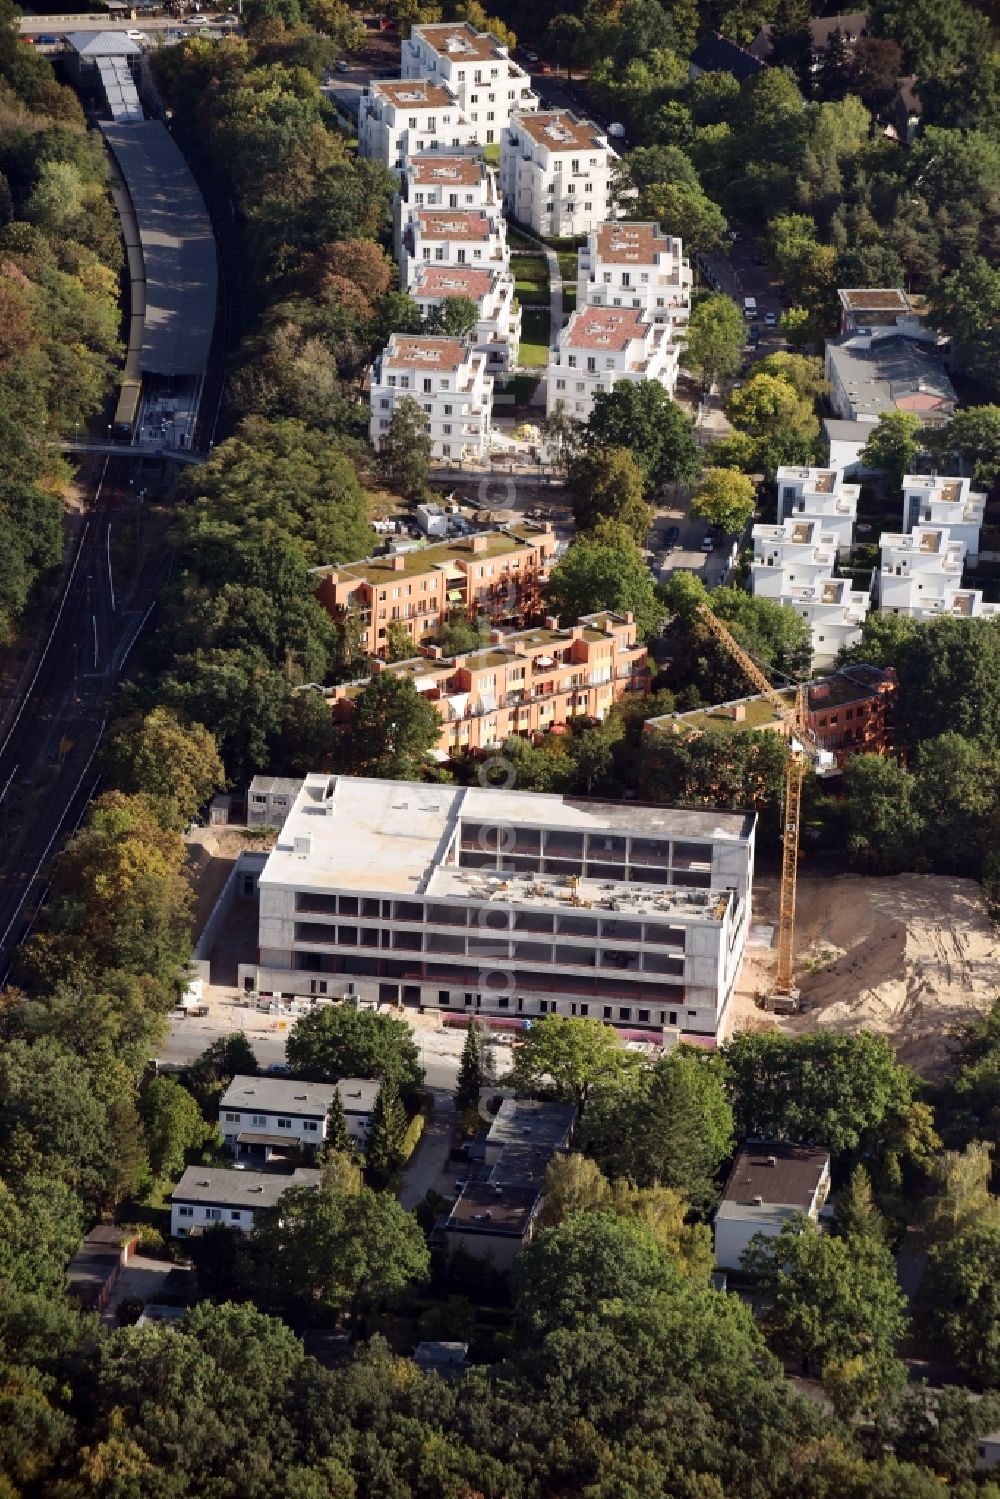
380 570
759 714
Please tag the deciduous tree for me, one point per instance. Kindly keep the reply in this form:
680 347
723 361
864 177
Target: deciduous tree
392 730
341 1041
174 763
566 1059
715 336
725 498
406 449
604 569
607 484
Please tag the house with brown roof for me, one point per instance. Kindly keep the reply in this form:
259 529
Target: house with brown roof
601 346
454 237
398 117
476 67
771 1184
448 380
497 333
630 264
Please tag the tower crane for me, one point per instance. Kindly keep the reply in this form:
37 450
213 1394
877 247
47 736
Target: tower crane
803 749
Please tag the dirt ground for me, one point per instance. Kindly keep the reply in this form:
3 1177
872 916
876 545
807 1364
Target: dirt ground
212 852
908 957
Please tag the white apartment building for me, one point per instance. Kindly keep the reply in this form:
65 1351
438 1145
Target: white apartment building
452 236
555 172
600 346
920 572
497 334
626 264
951 503
834 611
820 494
448 379
207 1196
794 564
443 179
506 903
274 1113
478 70
398 117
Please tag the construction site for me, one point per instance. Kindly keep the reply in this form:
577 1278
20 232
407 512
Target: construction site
907 956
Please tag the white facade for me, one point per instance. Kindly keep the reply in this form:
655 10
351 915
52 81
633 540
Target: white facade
292 1112
443 179
507 903
950 503
497 334
447 379
555 173
626 264
398 118
821 495
601 346
794 564
453 237
207 1196
478 70
920 571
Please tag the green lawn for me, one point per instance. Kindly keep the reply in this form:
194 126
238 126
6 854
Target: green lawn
534 338
518 240
567 266
491 154
569 297
531 277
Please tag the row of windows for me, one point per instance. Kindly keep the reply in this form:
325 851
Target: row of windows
548 1007
261 1119
213 1215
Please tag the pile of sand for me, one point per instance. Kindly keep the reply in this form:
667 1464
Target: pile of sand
909 957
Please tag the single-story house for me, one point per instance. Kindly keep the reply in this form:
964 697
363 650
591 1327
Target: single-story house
491 1222
770 1184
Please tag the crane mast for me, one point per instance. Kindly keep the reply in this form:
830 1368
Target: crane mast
802 747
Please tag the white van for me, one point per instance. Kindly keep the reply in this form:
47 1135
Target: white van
750 307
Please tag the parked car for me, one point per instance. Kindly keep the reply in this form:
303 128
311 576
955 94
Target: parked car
342 66
770 320
671 537
754 338
708 544
531 56
48 41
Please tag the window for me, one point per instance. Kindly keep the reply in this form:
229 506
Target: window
584 1009
673 1017
233 1118
607 1012
624 1013
258 1119
235 1215
644 1015
284 1123
310 1125
185 1212
213 1214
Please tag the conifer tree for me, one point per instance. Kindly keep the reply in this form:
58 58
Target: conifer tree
470 1072
337 1134
385 1139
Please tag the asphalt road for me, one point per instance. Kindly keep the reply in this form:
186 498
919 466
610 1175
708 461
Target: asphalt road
48 747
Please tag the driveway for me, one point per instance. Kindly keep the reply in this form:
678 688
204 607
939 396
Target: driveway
427 1168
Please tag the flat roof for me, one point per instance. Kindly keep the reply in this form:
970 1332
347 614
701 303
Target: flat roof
453 281
453 223
410 351
178 248
781 1175
493 544
363 834
874 299
415 93
463 169
880 374
623 242
221 1187
278 1095
547 892
526 1121
102 43
358 1094
486 1209
560 130
460 41
604 328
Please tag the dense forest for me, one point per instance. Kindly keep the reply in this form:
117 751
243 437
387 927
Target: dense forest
60 259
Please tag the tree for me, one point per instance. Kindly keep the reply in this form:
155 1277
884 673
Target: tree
453 318
392 730
841 1092
406 449
337 1138
857 1216
339 1252
972 439
40 1226
398 642
893 445
175 764
949 681
566 1059
715 337
832 1302
341 1041
607 484
669 1125
875 70
883 824
964 1200
725 498
604 569
173 1125
966 304
960 1300
573 1184
941 1429
640 417
470 1072
781 422
384 1149
209 1075
52 1123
